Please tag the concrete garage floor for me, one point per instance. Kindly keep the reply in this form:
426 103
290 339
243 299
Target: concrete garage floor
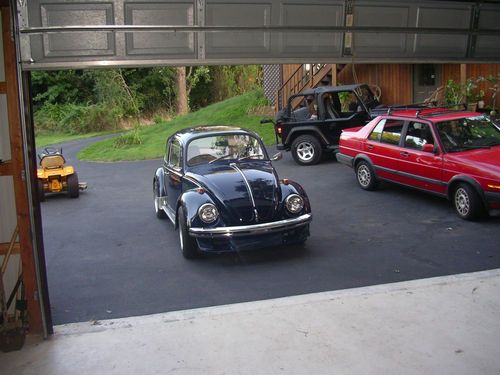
445 325
109 257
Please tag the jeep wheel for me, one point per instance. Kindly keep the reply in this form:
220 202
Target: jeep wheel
73 188
366 176
467 202
188 244
306 150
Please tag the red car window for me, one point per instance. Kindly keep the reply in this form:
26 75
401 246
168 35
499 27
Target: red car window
417 135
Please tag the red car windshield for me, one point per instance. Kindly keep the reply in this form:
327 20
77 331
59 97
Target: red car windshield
468 133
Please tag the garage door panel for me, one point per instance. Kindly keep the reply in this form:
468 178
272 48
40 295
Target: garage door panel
180 44
180 32
302 13
240 43
76 43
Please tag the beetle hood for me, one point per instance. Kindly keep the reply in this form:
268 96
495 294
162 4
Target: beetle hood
238 186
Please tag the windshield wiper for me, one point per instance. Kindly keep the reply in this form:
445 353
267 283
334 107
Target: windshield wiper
220 158
250 157
470 147
494 142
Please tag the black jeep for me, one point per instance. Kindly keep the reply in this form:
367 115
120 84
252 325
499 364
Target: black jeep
315 127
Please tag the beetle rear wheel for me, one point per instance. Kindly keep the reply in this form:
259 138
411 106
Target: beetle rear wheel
160 214
73 188
306 150
467 202
188 244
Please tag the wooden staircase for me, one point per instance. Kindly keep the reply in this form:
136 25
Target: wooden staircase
304 77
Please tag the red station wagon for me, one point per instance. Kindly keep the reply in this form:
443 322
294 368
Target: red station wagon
454 154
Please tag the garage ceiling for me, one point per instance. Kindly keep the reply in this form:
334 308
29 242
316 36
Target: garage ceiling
59 34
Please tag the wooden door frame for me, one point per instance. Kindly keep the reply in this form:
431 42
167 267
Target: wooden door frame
22 169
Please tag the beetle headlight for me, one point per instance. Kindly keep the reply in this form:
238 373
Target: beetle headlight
294 203
208 213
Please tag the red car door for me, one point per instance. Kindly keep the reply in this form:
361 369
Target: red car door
420 164
382 146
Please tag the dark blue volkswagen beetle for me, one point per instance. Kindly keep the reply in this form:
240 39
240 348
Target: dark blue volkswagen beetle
219 188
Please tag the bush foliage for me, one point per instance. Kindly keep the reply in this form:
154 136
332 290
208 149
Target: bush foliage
83 101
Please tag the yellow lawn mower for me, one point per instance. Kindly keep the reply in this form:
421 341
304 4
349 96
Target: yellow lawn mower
54 176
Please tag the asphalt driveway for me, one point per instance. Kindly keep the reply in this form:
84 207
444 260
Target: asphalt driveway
108 255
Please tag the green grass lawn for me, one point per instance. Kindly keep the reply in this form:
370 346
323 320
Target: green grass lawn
234 111
49 139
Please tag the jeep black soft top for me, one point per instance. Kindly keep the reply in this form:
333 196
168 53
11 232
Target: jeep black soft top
312 121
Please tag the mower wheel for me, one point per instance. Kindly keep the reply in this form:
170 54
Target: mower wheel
41 193
73 188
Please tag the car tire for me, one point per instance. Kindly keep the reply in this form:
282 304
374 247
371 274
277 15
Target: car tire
188 244
73 188
41 192
467 202
306 150
365 176
160 214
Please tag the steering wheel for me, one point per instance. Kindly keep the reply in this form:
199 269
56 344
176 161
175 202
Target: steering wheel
201 159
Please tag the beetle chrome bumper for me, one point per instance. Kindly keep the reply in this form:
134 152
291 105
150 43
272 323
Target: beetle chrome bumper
251 230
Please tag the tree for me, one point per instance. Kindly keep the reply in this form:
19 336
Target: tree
182 91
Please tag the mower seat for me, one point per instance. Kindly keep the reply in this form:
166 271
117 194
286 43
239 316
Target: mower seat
52 161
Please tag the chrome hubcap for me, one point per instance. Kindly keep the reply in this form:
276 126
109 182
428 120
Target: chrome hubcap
364 175
462 202
305 151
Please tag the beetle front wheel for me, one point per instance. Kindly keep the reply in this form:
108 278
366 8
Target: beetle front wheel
188 244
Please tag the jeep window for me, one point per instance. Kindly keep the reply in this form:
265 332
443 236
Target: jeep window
468 133
367 97
174 159
417 135
391 132
349 103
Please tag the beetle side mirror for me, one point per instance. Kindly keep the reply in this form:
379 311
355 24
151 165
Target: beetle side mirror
429 147
277 156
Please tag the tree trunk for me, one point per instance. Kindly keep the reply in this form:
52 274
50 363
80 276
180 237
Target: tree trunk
182 99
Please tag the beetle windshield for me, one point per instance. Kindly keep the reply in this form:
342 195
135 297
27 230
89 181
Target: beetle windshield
468 133
224 147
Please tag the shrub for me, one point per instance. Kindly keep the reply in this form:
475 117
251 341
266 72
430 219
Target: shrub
76 119
128 139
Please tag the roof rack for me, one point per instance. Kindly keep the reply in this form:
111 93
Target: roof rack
415 106
437 113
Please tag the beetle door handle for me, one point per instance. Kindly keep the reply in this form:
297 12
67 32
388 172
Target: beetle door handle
404 154
369 147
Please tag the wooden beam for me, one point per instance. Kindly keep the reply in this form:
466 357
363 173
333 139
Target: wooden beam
463 73
6 168
3 87
334 75
20 188
4 248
